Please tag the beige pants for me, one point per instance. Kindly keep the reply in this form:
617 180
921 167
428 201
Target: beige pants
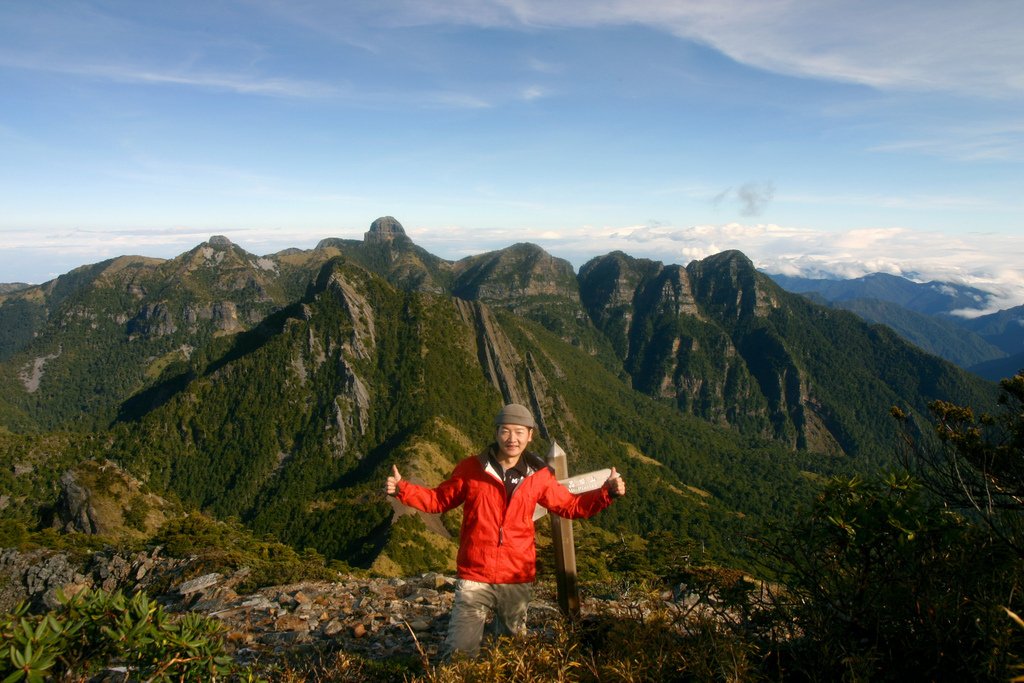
473 603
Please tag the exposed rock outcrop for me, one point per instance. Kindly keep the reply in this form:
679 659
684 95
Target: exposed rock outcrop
101 498
153 320
384 229
37 576
497 355
359 312
220 242
352 408
32 374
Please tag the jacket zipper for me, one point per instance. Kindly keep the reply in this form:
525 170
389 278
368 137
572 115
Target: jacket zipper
504 514
501 527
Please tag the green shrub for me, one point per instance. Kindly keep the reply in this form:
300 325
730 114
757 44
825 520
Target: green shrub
94 631
13 533
135 514
228 546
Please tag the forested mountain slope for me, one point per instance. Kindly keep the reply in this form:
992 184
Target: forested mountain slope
291 426
279 389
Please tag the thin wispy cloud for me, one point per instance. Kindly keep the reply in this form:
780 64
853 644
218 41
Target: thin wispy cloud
533 93
85 41
995 141
243 84
918 44
238 83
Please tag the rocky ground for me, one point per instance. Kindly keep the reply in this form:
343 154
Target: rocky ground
373 617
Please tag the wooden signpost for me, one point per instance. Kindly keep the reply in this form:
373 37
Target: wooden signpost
561 530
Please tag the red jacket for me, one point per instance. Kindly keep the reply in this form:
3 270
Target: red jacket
497 542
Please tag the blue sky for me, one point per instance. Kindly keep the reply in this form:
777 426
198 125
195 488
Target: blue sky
836 138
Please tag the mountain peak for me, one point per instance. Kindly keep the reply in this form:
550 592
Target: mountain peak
219 242
384 229
733 258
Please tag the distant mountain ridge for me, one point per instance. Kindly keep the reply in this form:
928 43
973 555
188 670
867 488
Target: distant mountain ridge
942 335
931 298
923 313
8 287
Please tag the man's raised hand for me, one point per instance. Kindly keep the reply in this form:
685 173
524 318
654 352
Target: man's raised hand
391 487
615 484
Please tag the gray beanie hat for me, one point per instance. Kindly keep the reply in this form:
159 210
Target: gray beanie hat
515 414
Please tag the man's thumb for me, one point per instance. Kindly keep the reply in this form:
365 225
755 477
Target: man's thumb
614 474
394 471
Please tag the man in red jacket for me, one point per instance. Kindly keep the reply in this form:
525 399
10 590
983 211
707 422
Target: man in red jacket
497 557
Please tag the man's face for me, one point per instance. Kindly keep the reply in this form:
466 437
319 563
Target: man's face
512 439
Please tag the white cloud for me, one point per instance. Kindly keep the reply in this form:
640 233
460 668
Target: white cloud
946 45
533 92
243 84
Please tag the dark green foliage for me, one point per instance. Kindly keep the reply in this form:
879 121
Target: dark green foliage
1001 328
110 330
78 546
19 319
884 584
997 369
732 479
265 434
93 631
135 513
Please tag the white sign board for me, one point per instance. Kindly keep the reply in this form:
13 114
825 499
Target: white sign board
581 483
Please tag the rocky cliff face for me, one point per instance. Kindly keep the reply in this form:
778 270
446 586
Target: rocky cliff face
531 283
696 335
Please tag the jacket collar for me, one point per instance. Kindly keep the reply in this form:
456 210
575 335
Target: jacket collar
532 461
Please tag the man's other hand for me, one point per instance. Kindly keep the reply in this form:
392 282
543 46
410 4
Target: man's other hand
391 487
615 484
